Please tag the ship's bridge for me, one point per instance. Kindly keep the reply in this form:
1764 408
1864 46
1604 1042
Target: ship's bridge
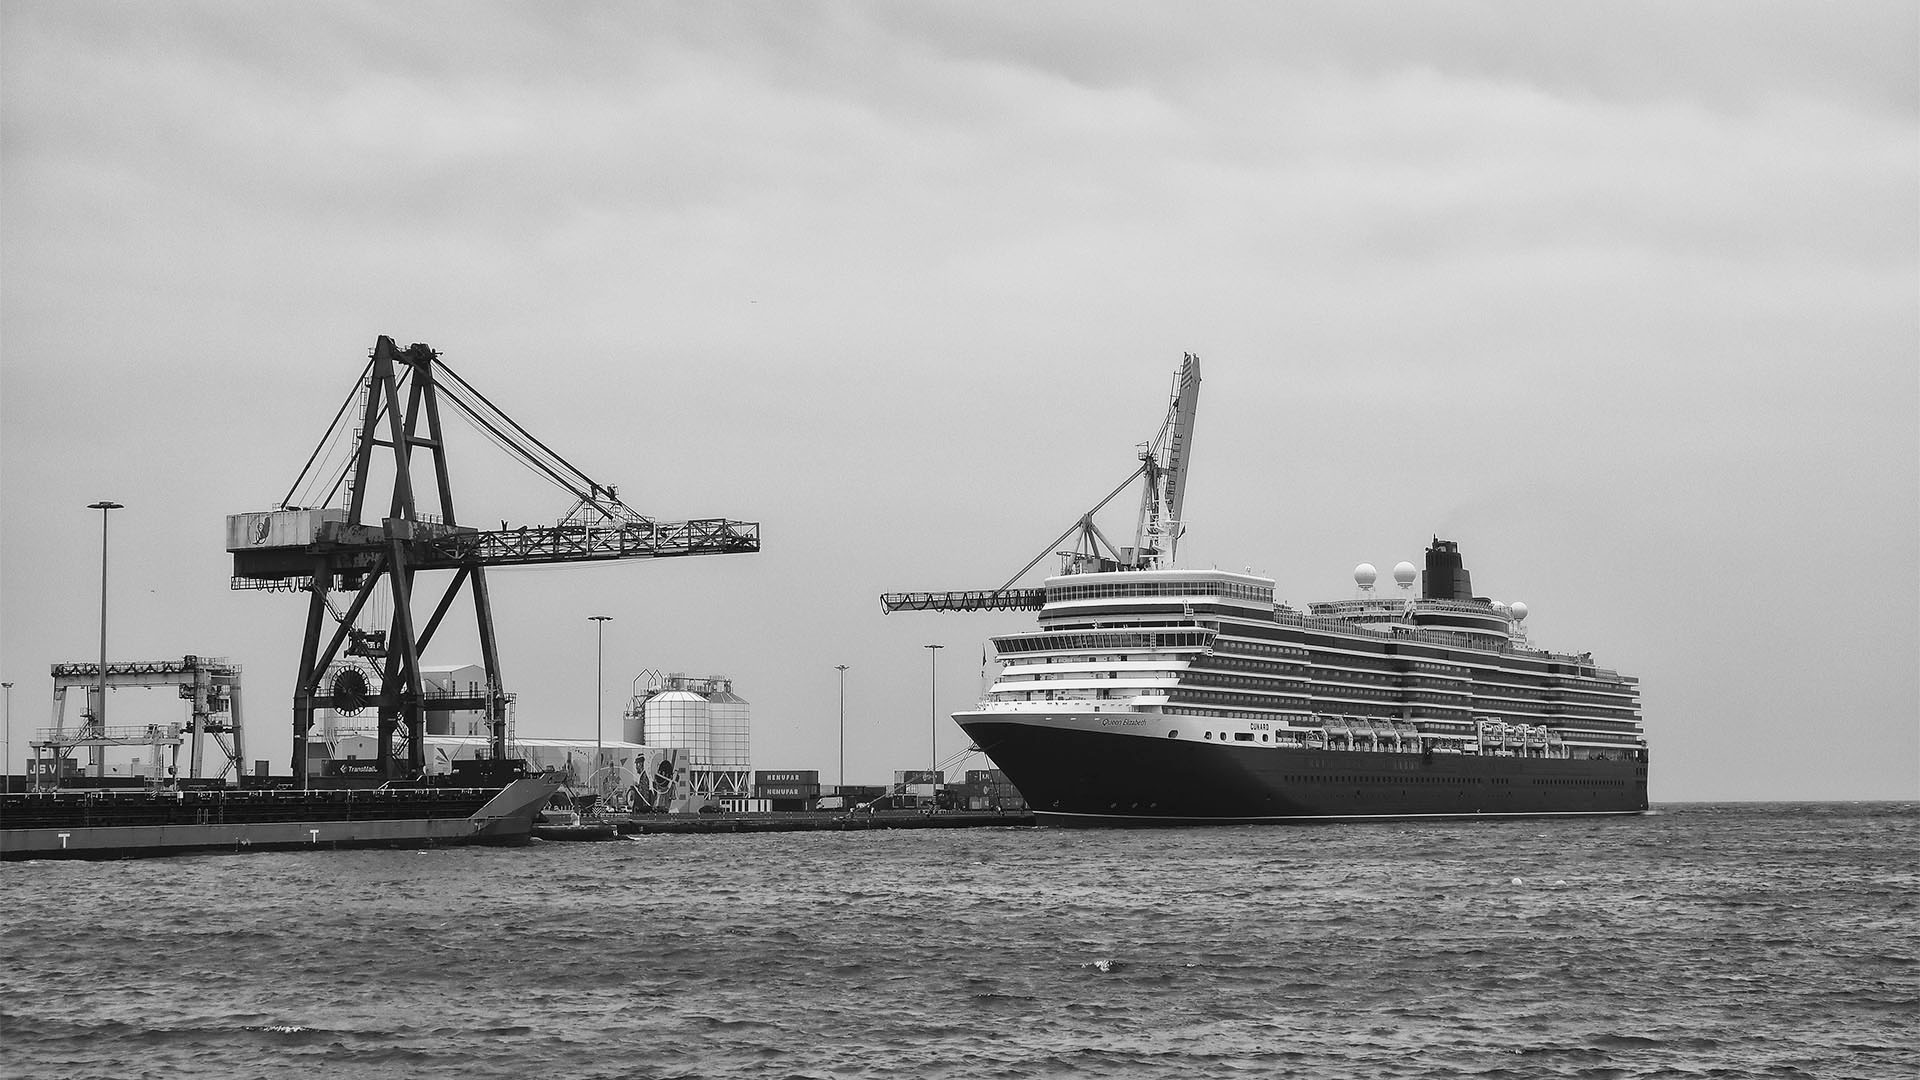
1156 591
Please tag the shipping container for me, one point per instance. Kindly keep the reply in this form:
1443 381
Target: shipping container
787 776
918 776
986 776
786 791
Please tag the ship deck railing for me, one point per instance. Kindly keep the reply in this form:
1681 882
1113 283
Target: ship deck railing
1292 617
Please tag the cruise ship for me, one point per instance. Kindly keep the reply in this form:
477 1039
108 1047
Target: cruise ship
1192 696
1153 694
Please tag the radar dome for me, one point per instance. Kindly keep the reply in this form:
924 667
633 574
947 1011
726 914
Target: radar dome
1519 611
1364 575
1404 574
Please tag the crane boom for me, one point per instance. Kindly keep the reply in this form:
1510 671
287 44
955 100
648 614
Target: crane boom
979 600
1163 463
1186 403
352 551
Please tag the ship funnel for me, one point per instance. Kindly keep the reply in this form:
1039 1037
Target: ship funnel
1446 579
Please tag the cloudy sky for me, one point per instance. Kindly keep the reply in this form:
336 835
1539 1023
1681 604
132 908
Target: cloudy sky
1623 297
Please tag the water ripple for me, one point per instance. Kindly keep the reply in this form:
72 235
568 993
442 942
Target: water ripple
1704 941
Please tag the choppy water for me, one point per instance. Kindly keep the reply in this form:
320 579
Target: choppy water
1704 940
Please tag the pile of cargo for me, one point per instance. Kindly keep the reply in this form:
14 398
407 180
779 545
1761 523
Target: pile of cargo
986 789
801 789
912 789
788 789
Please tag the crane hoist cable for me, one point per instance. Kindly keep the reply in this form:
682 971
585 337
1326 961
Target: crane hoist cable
332 430
546 460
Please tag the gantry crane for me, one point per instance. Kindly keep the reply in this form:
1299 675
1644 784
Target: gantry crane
1163 465
210 686
324 551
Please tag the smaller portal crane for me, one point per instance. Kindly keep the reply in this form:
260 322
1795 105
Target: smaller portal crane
1163 465
210 686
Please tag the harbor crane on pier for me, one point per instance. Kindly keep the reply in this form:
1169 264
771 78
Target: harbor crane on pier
1163 467
364 554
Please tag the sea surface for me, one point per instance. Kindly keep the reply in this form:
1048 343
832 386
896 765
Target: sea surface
1703 940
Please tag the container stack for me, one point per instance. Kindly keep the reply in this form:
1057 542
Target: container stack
987 789
921 786
789 789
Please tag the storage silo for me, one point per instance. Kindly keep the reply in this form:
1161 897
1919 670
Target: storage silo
732 725
680 718
707 723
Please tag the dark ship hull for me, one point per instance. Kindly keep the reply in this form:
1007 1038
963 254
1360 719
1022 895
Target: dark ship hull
1081 777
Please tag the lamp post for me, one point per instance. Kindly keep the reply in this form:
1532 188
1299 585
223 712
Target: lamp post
100 705
599 662
6 772
842 669
933 711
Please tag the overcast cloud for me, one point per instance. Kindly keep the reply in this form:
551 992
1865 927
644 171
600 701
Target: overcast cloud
1623 297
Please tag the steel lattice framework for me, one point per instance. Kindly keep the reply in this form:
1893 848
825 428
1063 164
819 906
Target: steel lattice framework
400 394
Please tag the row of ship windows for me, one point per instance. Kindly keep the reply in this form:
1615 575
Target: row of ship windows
1598 705
1331 693
1232 589
1269 668
1104 639
1355 669
1020 674
1575 782
1258 648
1595 711
1293 673
1356 779
1318 693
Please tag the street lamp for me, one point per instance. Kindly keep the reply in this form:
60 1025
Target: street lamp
842 669
6 773
100 708
598 664
933 710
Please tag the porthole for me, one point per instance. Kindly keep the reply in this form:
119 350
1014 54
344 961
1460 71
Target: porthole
1208 735
1174 734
